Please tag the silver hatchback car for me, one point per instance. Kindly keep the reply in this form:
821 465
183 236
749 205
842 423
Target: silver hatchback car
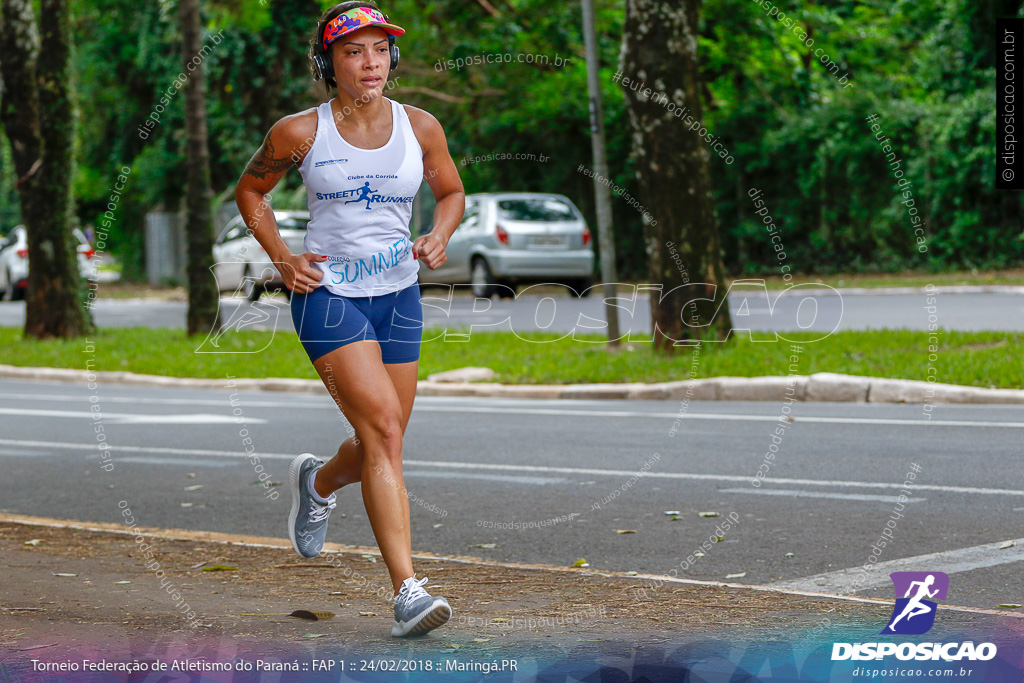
509 238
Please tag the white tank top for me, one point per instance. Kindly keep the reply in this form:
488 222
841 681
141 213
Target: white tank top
360 203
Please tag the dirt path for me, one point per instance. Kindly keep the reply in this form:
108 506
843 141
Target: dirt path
114 606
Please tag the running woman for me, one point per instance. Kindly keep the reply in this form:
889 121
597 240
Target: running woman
355 295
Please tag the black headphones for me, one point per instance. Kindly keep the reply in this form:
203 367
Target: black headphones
323 67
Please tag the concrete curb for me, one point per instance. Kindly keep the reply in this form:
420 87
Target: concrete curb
822 386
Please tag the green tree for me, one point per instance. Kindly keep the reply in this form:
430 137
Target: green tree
38 117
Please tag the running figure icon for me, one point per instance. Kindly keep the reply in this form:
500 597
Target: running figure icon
365 194
915 607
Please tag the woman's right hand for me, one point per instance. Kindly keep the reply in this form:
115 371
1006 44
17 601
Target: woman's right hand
299 274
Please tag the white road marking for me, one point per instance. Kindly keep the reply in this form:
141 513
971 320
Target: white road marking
797 419
856 579
150 460
576 471
147 400
508 478
792 493
12 453
131 418
424 405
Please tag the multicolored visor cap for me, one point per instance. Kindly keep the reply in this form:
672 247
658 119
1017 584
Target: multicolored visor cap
355 19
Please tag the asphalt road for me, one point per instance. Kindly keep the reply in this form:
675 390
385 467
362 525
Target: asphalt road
473 465
804 308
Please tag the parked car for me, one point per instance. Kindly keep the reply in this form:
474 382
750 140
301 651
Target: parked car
14 262
240 261
509 238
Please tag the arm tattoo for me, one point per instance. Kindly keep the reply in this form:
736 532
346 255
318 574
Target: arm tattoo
263 163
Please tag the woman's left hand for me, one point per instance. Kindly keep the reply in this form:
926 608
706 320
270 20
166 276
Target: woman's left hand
429 249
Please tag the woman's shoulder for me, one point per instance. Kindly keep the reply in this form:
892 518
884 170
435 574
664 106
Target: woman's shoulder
424 124
295 133
297 127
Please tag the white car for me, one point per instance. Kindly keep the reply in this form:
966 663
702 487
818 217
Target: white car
14 262
241 263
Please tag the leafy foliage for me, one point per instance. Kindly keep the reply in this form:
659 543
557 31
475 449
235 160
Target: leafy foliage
925 68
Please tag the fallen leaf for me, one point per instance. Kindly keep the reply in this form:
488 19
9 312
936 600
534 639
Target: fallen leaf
1007 544
197 566
194 488
499 620
719 539
363 613
34 541
674 518
736 576
369 557
625 531
631 573
437 526
485 546
63 574
697 553
1009 605
186 505
121 583
191 475
312 615
673 512
582 562
708 514
220 568
336 593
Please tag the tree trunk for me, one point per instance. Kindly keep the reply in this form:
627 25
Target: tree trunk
203 297
659 53
38 117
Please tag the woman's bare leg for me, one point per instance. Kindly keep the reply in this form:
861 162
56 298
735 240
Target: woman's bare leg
378 408
346 467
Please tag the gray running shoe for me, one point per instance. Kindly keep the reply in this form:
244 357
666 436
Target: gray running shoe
307 522
416 611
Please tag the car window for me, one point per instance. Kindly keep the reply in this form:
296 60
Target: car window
539 209
222 237
471 218
12 238
292 223
234 232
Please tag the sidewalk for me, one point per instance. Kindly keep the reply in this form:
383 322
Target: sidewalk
87 589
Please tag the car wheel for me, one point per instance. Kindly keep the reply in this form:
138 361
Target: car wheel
250 289
6 292
481 279
506 290
581 288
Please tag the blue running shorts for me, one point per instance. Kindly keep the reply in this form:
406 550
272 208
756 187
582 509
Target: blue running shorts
326 321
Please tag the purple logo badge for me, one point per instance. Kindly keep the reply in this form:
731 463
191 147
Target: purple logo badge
914 611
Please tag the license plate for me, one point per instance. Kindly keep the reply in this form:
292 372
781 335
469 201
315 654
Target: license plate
549 240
